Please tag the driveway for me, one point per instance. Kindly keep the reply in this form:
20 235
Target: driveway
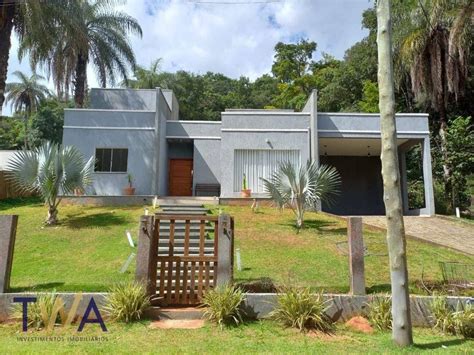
438 230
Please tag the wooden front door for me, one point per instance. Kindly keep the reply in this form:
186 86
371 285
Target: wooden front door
180 177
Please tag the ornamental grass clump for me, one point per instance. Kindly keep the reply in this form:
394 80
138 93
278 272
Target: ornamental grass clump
459 321
126 302
380 312
301 309
222 305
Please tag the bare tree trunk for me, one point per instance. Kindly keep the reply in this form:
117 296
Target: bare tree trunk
52 218
401 327
7 13
80 80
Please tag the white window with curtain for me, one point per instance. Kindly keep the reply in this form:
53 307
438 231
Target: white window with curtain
256 164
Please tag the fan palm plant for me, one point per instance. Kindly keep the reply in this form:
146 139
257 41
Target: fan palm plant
302 186
26 95
92 32
50 170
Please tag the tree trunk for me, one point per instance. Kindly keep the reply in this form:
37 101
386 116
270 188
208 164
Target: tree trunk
444 154
80 80
52 216
401 327
7 13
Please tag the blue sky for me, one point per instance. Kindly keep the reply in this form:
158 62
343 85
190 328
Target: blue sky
234 39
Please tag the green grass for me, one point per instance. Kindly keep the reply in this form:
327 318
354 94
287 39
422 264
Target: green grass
87 249
258 337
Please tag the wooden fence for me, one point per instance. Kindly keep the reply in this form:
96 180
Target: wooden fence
181 257
6 188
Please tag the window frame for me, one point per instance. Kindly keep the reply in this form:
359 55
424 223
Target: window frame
111 160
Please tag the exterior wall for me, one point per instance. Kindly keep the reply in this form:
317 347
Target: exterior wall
123 99
207 162
364 124
362 187
163 113
193 129
264 130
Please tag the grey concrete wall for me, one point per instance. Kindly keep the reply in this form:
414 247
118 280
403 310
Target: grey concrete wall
163 114
131 130
362 186
123 99
193 129
207 162
265 120
132 99
348 124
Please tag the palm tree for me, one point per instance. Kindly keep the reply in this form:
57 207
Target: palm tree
302 187
435 43
145 78
92 32
32 20
51 170
26 95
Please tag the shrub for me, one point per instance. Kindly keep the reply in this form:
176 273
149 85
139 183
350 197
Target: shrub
301 309
448 320
126 302
222 305
380 312
35 314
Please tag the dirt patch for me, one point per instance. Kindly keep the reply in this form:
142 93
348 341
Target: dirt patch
360 324
177 324
326 336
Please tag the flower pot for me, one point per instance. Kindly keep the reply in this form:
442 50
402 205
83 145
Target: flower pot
246 192
129 191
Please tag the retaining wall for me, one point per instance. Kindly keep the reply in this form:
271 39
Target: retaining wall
259 305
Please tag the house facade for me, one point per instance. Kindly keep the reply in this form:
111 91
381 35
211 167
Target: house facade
138 132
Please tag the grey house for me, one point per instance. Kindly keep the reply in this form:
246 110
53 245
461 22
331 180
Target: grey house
139 132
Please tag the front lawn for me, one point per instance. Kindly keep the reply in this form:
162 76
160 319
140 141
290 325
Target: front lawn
87 249
257 337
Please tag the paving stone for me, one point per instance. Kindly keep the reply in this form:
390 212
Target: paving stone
177 324
438 230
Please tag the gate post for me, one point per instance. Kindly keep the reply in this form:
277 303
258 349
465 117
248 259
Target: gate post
225 243
147 254
7 243
356 255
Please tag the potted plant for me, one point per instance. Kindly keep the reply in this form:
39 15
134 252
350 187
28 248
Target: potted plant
246 192
129 190
78 191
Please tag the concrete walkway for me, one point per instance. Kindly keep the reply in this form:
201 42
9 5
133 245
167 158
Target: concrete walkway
438 230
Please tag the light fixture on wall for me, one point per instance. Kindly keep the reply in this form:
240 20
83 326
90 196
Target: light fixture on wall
325 150
269 143
368 150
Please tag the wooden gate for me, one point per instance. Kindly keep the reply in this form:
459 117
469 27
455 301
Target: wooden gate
183 256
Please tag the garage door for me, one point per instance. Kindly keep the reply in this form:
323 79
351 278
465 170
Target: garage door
259 163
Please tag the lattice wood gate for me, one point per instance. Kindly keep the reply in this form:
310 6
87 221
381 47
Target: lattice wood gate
183 256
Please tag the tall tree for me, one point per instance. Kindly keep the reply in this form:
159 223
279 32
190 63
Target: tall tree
291 67
29 19
401 327
435 44
92 32
26 95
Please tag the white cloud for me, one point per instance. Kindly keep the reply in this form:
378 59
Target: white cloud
234 39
